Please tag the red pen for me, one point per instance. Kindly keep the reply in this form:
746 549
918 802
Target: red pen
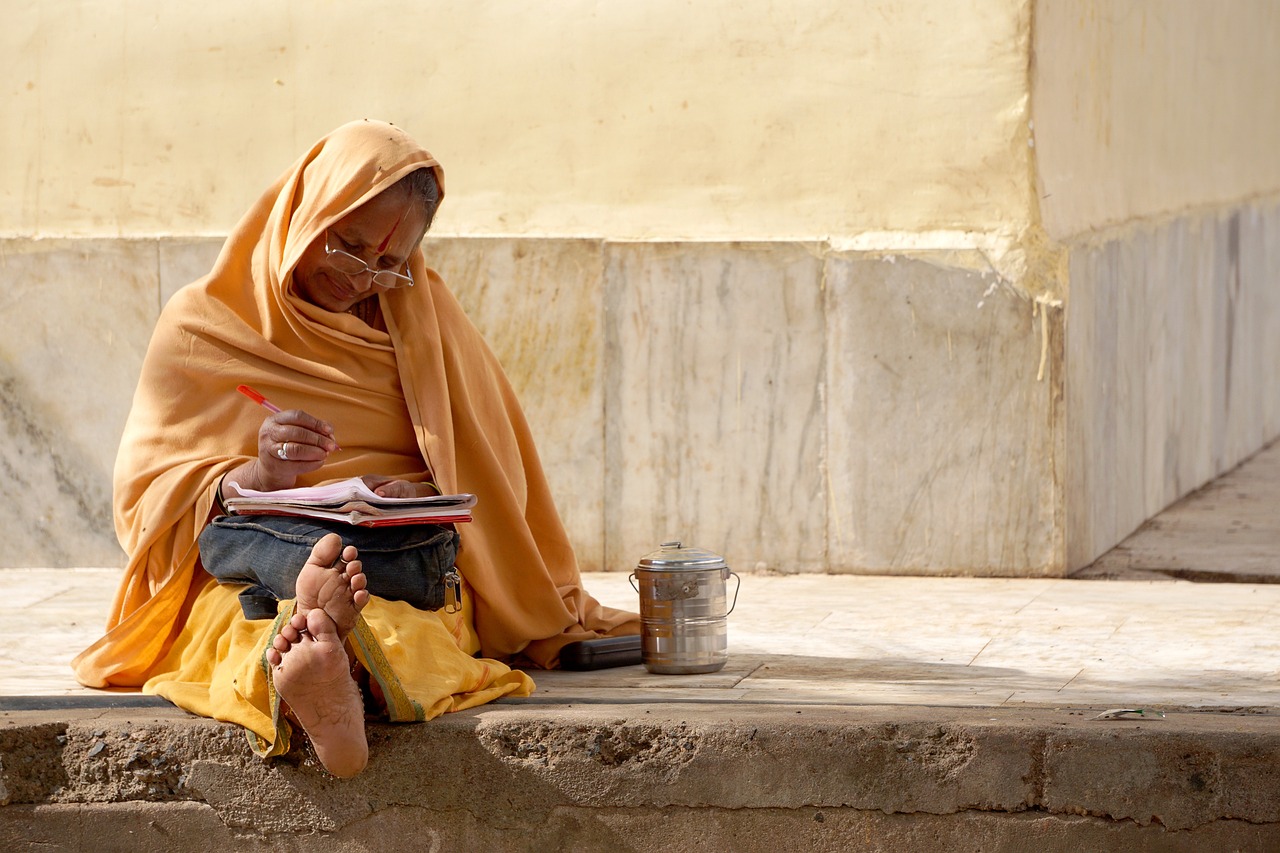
258 398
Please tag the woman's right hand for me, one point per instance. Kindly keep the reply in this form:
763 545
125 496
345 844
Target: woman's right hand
291 443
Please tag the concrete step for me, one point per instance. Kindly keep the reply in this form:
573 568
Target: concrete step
526 776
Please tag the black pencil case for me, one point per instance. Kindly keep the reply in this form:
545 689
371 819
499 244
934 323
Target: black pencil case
601 653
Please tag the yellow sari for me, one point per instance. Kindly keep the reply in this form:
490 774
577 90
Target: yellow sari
424 398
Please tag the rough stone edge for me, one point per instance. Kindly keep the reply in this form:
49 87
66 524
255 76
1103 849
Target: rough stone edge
147 827
512 765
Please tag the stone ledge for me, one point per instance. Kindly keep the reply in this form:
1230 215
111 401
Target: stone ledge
646 777
181 827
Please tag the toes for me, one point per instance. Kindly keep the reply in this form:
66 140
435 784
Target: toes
326 551
290 634
357 581
360 598
320 624
282 643
343 563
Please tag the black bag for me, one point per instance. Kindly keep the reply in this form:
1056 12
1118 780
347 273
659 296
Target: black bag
413 563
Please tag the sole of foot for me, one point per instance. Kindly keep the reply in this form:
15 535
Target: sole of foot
312 674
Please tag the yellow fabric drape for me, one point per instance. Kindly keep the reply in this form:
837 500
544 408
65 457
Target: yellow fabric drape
425 395
216 666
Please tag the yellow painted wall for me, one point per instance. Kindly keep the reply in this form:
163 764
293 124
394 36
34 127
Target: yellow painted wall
663 119
723 119
1144 109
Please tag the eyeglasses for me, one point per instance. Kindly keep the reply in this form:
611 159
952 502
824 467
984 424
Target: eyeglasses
348 264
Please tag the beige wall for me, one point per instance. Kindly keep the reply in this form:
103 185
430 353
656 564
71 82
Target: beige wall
750 119
1147 109
755 119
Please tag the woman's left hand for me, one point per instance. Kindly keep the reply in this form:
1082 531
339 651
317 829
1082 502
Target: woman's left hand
388 487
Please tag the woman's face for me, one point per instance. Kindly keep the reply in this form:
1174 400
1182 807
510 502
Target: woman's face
381 232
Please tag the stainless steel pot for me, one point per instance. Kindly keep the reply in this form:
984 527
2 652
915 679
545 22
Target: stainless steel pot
683 619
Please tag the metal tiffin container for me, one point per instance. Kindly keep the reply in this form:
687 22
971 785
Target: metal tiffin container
683 617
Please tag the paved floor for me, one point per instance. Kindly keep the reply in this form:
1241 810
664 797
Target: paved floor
846 639
1229 530
1079 643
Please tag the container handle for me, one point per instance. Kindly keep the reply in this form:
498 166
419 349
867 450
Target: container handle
736 589
632 579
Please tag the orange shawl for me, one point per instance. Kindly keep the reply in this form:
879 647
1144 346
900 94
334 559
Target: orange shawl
243 324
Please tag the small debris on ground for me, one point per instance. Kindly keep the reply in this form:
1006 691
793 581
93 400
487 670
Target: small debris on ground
1124 713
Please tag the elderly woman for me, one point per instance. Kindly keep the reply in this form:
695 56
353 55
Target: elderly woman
321 300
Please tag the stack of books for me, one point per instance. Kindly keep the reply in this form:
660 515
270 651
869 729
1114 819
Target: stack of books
352 502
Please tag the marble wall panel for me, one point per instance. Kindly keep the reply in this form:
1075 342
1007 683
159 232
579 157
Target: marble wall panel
1139 392
714 402
1089 409
1180 427
539 305
1172 350
1252 261
77 316
1127 395
941 431
1139 340
1261 237
1081 338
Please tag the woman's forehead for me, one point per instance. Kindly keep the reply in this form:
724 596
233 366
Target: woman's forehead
380 221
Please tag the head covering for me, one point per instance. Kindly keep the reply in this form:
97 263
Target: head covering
427 394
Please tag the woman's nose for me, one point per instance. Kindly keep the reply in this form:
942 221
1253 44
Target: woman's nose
362 281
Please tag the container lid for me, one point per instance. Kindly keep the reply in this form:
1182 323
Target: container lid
674 557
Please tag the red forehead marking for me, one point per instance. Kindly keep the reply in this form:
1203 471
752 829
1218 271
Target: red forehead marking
382 247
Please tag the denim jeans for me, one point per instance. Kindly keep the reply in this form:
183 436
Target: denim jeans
401 563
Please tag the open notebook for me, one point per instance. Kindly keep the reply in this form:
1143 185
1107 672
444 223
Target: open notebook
353 502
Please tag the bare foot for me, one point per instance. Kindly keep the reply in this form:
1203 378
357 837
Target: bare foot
312 674
333 580
311 666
